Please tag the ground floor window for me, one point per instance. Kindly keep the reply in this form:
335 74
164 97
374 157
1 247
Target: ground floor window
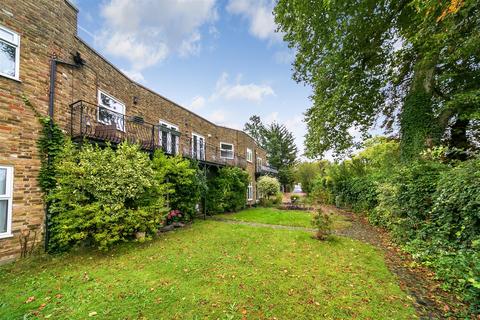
250 191
6 190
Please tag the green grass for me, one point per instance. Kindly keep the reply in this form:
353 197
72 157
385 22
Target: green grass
294 218
212 270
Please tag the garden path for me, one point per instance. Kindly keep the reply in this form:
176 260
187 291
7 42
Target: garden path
430 301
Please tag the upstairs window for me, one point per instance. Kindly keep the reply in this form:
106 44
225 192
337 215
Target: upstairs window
249 155
198 147
259 163
111 111
226 150
169 137
9 53
6 190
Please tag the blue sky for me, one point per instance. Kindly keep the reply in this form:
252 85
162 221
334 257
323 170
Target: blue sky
220 59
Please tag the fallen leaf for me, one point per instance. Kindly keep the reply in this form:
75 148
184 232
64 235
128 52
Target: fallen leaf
92 314
30 299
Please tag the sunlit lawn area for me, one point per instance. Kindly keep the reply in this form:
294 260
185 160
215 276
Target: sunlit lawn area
211 270
292 218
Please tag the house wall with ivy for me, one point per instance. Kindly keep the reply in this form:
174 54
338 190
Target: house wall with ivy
47 29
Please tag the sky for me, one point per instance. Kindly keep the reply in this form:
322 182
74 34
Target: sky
222 59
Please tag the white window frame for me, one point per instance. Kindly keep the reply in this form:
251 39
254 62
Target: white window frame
169 136
227 150
249 155
118 101
15 43
250 191
204 143
259 161
9 197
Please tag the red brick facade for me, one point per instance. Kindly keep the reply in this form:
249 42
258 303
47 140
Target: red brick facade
48 29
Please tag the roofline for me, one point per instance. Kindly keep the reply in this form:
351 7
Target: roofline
158 94
72 5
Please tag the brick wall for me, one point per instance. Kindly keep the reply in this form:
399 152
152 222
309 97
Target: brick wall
48 28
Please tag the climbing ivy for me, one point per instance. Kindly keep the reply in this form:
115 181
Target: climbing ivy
49 145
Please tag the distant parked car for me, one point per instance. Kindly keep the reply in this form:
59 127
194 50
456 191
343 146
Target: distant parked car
297 188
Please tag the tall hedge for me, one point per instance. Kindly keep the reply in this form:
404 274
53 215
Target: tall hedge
227 190
430 205
182 181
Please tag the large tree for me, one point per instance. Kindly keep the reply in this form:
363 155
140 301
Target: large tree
413 65
279 144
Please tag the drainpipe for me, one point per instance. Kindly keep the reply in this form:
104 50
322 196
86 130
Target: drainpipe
78 62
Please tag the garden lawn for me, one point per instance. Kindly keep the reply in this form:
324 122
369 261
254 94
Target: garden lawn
294 218
211 270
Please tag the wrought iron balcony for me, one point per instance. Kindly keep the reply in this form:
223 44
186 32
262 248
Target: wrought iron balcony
100 124
265 170
96 123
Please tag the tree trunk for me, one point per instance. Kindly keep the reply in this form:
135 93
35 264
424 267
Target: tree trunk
418 127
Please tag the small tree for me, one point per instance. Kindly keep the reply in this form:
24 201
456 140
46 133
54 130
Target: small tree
268 186
323 224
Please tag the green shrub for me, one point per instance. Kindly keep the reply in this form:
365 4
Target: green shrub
323 224
227 190
450 241
416 183
267 186
294 198
103 196
181 181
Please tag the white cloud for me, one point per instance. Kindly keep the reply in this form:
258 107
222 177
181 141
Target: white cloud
236 91
218 116
260 16
134 75
146 32
198 102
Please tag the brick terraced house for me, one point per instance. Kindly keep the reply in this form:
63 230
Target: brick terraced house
43 60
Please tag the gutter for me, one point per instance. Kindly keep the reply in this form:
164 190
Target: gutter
78 63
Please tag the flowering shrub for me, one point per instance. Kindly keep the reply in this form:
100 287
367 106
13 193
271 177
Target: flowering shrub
174 216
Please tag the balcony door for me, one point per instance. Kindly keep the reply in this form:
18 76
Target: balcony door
111 111
168 135
198 147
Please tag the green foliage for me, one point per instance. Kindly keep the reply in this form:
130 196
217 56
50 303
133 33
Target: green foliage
450 240
307 172
295 198
103 196
417 59
50 145
255 128
227 190
279 144
269 191
430 206
268 186
181 181
416 185
323 224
